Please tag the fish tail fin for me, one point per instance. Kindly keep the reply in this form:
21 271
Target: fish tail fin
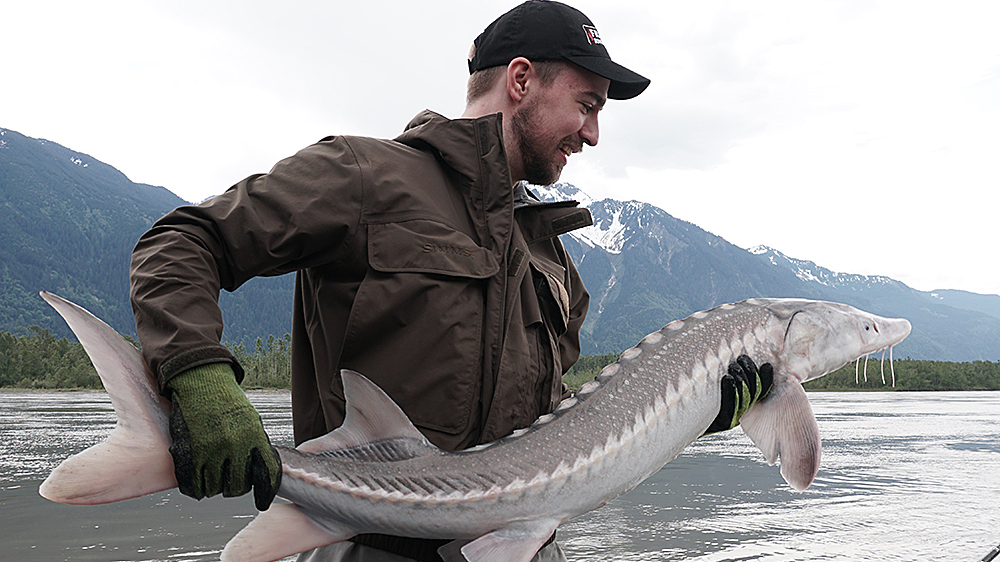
783 426
135 460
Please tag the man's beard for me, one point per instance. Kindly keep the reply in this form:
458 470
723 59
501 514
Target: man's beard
537 162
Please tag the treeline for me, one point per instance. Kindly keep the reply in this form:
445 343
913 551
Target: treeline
36 359
268 365
911 374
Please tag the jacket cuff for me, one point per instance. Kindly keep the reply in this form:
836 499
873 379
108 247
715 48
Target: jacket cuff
196 358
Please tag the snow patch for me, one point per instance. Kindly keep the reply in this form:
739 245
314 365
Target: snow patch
609 235
561 192
812 273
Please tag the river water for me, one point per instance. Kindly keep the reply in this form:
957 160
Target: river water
904 476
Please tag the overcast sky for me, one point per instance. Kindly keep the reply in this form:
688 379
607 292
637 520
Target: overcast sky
863 135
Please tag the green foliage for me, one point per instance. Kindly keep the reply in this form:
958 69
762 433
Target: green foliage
586 368
269 365
912 374
38 360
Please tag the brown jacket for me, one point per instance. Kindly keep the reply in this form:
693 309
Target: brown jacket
413 268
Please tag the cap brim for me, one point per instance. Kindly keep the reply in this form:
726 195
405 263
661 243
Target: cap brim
625 84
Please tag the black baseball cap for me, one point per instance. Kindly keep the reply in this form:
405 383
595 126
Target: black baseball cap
542 30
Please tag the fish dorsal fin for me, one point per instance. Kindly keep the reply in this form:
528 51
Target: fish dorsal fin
371 416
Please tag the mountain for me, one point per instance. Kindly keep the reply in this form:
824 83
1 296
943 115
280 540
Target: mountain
645 268
69 225
989 304
70 222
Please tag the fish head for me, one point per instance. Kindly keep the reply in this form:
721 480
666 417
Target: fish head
821 337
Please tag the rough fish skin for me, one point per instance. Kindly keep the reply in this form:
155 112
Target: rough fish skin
378 474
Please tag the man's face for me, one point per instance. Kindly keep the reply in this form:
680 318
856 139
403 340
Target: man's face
556 121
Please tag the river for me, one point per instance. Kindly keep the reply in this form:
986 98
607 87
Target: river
904 476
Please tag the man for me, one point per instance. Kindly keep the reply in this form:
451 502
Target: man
422 262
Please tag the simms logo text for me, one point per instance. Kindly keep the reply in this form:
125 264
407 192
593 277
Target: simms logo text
443 249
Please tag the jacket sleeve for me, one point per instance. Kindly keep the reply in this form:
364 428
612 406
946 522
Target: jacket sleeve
298 215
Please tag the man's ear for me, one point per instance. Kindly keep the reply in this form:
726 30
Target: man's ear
520 73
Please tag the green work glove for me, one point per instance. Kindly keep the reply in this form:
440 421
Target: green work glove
742 387
219 445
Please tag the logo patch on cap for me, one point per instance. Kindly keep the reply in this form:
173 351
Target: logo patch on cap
593 37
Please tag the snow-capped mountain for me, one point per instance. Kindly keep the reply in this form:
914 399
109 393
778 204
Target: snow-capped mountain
811 273
644 268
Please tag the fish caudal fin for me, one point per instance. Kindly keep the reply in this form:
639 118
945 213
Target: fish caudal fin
282 530
135 460
783 426
124 467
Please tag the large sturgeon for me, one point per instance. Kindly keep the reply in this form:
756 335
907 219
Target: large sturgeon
502 500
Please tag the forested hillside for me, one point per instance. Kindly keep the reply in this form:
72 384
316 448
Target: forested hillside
69 225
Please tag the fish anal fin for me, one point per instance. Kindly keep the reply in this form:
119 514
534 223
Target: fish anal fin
517 542
282 530
371 416
783 426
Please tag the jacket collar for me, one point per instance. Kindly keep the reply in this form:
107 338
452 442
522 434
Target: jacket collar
462 144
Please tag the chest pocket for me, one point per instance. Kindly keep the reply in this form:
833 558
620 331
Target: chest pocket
423 246
416 322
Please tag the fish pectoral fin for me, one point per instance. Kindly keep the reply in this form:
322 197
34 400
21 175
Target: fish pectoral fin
371 416
282 530
517 542
783 426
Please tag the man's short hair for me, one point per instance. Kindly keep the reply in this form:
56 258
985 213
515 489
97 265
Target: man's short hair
482 81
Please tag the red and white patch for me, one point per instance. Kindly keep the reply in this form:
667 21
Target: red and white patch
593 37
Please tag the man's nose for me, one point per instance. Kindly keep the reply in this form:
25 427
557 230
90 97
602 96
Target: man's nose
590 131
